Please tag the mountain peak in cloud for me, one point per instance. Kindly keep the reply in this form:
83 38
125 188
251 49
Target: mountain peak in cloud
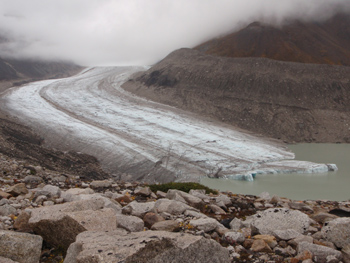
325 42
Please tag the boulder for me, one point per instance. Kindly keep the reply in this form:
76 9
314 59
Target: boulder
145 247
224 199
270 240
320 253
98 220
184 197
205 224
4 195
100 184
194 214
130 223
171 206
6 210
233 237
20 247
286 234
151 218
261 246
266 222
346 253
50 191
21 222
7 260
337 231
143 191
107 203
217 209
138 209
60 224
33 180
168 225
236 224
18 189
323 217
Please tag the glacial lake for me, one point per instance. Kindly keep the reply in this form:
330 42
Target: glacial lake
323 186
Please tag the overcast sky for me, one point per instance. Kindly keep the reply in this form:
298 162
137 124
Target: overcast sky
119 32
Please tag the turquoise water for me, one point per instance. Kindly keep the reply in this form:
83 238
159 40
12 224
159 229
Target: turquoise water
330 186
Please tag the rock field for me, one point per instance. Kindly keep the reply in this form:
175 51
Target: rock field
47 216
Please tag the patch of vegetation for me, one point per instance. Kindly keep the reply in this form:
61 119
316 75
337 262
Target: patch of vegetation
185 187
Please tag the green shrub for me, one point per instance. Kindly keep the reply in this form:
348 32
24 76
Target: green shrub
185 187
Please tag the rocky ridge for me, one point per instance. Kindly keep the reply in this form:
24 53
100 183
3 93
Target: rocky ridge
50 217
294 102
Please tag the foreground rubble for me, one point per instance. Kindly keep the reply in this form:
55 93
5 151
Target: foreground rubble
46 216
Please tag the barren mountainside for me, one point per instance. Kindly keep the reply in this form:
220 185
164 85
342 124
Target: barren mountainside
295 102
326 42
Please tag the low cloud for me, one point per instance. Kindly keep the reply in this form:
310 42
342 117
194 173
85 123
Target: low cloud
120 32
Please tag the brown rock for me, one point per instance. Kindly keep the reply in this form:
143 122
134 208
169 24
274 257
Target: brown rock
21 223
248 243
151 218
261 246
270 240
5 195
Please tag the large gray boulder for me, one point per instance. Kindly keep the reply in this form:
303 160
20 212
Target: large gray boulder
320 253
145 247
49 191
205 224
171 206
266 222
130 223
60 224
184 197
20 247
6 210
337 231
107 203
138 209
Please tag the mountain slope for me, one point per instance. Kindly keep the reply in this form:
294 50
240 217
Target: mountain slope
11 69
290 101
325 42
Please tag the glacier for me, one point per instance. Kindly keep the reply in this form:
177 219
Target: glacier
137 139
